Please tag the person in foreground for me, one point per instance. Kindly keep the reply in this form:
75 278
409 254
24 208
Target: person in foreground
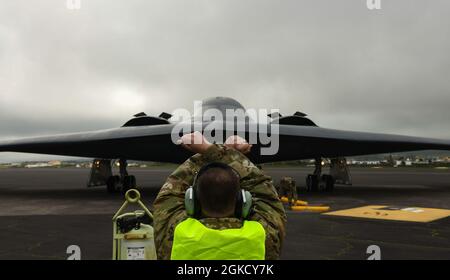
218 205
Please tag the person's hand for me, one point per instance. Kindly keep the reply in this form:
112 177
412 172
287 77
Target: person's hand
238 143
194 142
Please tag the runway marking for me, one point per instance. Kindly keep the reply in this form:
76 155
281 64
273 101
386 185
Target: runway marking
394 213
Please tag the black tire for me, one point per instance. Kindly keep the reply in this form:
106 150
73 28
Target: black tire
329 182
129 182
133 183
312 183
111 184
126 184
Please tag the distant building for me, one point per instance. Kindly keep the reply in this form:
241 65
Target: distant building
37 165
54 163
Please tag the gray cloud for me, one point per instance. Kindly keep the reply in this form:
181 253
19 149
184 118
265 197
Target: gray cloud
347 67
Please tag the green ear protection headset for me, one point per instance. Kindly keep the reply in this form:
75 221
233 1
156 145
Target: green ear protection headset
193 207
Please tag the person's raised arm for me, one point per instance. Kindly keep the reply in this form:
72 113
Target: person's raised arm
168 207
267 208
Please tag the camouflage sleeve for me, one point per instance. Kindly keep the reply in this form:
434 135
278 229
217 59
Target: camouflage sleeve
267 208
168 207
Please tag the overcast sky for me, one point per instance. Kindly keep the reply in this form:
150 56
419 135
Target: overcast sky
348 67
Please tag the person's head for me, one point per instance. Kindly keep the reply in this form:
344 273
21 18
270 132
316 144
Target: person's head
217 191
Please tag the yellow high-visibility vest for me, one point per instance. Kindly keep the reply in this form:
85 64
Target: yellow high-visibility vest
194 241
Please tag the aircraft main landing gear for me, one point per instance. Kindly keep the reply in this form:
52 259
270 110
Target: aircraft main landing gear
121 183
113 184
318 182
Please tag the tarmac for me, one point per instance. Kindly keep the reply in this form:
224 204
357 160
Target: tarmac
43 211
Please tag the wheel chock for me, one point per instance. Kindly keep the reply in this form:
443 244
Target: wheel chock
301 203
310 208
297 202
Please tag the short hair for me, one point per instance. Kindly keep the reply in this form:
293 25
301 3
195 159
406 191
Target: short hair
217 190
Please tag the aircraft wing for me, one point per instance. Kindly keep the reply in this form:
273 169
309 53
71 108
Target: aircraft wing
153 143
146 143
306 142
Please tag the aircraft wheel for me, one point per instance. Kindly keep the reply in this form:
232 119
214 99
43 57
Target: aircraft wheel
133 183
126 184
328 182
312 183
129 182
112 184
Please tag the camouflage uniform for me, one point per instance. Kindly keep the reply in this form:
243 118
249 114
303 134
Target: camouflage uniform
288 188
169 209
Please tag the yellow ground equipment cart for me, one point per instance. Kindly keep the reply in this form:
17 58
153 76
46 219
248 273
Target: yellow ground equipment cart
133 237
